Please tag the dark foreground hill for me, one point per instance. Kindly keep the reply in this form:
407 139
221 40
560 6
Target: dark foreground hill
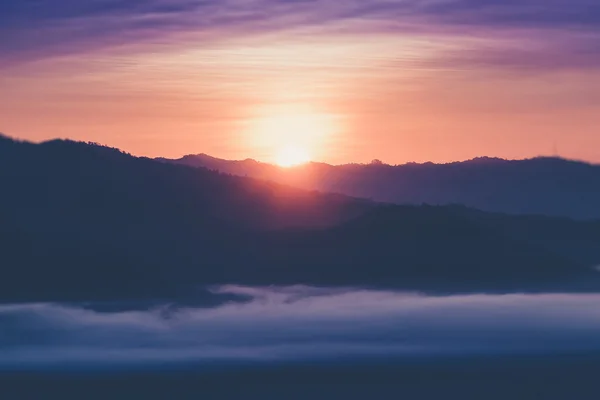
81 221
545 185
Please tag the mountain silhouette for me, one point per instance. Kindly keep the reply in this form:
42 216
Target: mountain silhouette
80 221
544 185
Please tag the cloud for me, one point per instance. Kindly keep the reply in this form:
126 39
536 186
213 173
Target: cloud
553 30
298 323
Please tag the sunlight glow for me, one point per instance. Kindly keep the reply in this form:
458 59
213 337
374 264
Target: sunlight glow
290 134
291 156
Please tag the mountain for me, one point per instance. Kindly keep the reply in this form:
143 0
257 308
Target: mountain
545 186
81 221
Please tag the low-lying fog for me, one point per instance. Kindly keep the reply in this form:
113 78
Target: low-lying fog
298 323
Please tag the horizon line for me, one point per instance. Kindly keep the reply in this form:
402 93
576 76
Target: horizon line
373 162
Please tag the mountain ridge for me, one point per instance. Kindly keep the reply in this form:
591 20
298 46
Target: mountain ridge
79 222
541 185
474 160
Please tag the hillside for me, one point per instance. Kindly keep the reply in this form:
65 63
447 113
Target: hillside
545 186
82 221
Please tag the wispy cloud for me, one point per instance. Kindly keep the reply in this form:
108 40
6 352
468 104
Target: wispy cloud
41 28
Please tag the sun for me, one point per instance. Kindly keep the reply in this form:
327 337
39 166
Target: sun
290 156
290 134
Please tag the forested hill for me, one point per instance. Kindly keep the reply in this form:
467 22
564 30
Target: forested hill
83 221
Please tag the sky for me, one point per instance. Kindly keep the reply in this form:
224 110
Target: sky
287 80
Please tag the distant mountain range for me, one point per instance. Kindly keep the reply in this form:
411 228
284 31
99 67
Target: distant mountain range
86 222
545 186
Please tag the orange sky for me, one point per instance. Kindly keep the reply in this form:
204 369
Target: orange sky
343 91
